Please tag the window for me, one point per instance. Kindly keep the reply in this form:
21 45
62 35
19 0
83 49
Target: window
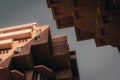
77 3
54 1
112 4
37 38
104 32
107 18
18 50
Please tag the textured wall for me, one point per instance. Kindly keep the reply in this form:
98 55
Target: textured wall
95 63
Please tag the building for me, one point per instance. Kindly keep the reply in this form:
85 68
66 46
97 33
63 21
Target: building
69 13
98 19
29 52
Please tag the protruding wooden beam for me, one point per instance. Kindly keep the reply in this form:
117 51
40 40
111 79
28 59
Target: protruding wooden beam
16 75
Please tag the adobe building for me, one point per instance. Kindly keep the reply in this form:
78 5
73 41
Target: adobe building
107 23
69 13
97 19
29 52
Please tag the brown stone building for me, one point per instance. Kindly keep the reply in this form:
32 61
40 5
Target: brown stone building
98 19
29 52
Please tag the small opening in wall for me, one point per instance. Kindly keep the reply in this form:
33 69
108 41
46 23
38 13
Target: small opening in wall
18 50
6 51
22 41
25 40
3 52
37 38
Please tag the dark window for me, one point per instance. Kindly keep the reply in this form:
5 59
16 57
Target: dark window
18 50
77 3
37 38
107 18
54 1
102 41
112 4
104 32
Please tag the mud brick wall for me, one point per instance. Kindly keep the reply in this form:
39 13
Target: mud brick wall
98 19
